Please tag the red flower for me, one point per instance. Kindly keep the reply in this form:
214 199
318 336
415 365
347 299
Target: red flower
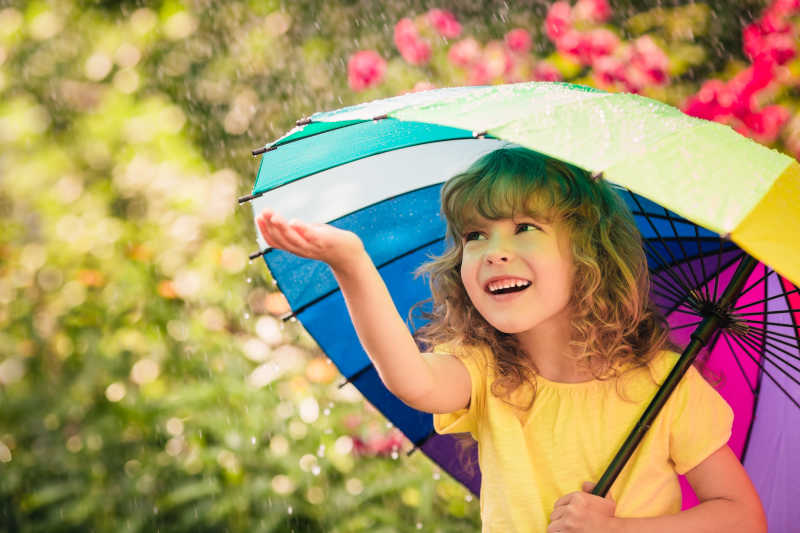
444 22
592 10
558 20
757 42
518 40
465 52
365 69
412 47
765 125
544 71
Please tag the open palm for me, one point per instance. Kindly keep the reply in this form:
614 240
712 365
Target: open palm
322 242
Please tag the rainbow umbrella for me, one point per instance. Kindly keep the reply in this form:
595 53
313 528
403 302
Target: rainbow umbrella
717 213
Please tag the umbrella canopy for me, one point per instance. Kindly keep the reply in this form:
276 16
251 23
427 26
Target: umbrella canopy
706 201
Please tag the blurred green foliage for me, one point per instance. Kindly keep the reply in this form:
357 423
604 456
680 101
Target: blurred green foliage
146 381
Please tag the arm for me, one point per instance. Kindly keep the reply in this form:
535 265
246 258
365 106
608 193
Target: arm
433 383
728 501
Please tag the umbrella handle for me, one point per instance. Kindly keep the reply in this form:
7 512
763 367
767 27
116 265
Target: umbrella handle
700 337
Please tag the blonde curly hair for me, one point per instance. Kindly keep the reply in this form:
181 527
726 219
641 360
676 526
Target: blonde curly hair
614 324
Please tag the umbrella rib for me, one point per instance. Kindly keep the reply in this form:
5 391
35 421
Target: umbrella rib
772 357
767 341
702 286
757 282
670 272
769 332
764 371
675 299
335 290
680 244
706 281
681 282
775 312
673 328
793 291
748 320
750 385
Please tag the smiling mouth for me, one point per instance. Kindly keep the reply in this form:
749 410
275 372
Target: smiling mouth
506 287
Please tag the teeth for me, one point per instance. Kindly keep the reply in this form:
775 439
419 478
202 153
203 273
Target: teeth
507 284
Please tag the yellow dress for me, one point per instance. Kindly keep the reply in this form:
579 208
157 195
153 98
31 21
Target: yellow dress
529 460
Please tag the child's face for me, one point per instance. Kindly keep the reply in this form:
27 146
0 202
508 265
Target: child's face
518 272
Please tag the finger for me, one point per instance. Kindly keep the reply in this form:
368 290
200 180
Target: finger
564 500
588 486
286 238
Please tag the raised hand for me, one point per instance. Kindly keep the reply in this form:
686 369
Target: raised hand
322 242
582 512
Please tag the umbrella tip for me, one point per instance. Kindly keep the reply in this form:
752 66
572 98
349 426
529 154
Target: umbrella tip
249 197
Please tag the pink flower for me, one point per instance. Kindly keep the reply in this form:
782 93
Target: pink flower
478 73
497 59
751 80
464 52
758 42
544 71
423 85
714 101
444 22
765 125
518 40
592 10
784 7
414 49
558 20
590 46
365 69
650 60
608 70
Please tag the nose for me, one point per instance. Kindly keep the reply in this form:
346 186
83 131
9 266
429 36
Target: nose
497 251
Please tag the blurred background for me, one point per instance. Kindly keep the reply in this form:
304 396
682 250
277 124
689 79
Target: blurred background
147 379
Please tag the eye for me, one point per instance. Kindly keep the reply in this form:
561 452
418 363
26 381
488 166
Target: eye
472 236
527 226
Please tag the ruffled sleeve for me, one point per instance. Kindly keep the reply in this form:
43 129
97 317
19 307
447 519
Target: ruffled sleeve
465 420
701 421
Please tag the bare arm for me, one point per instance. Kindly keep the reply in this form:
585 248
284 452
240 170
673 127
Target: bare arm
728 502
434 383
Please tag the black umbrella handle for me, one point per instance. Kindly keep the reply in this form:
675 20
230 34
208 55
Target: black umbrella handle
700 338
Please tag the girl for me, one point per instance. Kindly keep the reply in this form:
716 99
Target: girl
546 350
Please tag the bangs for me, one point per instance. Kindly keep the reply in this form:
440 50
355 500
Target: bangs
507 183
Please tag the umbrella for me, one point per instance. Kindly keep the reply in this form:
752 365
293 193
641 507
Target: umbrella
716 212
